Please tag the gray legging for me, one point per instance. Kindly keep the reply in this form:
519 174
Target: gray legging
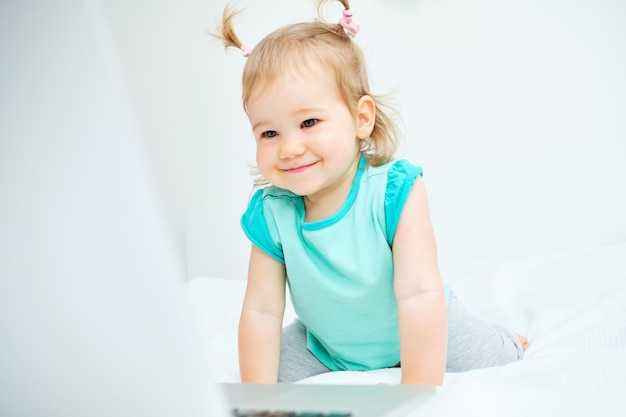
472 344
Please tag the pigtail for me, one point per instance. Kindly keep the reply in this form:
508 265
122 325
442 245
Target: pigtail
322 3
347 22
226 31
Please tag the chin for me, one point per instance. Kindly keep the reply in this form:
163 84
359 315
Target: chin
302 190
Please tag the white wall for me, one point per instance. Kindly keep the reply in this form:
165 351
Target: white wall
90 323
514 108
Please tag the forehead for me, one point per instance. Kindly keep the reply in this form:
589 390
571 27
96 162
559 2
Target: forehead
305 79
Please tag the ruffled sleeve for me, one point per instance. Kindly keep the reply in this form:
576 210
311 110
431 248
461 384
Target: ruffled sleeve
400 179
254 225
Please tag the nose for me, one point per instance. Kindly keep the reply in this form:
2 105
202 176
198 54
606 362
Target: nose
291 146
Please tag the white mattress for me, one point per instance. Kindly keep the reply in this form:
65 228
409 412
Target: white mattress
571 305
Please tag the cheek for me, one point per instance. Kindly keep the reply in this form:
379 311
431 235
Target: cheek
259 155
263 156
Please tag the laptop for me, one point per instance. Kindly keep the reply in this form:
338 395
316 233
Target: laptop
312 400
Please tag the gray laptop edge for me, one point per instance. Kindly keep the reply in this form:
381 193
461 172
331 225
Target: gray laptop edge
355 400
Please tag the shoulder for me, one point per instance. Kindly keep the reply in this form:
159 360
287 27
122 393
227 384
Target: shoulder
394 170
269 202
265 210
268 196
401 175
270 193
403 170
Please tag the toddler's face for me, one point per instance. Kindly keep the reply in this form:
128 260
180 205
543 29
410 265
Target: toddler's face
307 138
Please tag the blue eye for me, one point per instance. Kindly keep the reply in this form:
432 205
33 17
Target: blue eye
269 134
309 122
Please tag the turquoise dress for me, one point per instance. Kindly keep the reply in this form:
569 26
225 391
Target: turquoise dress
340 269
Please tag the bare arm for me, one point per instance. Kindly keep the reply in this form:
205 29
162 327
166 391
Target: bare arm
422 310
261 319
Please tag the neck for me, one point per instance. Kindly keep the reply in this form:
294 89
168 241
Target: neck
327 202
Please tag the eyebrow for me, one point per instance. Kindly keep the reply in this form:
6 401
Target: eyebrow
295 113
256 125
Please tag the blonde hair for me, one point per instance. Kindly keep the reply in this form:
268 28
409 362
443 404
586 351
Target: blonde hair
294 47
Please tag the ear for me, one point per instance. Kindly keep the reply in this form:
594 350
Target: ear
366 117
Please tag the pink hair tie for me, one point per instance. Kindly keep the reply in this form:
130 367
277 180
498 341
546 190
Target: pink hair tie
246 50
349 26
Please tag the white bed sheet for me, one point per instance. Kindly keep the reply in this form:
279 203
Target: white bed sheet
571 305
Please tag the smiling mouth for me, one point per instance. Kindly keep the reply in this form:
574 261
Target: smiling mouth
301 168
